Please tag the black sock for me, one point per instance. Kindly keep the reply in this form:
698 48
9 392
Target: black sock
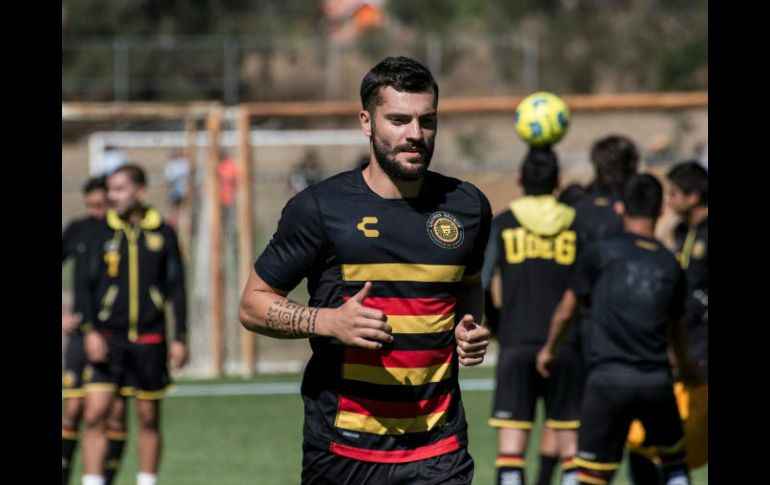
547 465
69 440
510 470
642 470
116 441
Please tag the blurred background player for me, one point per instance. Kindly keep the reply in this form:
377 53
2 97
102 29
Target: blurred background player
306 173
688 198
532 244
131 267
638 294
177 173
74 240
228 191
615 158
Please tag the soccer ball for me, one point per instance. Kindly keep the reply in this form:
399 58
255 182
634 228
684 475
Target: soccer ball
541 119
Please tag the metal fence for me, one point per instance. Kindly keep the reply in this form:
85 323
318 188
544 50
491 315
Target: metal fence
256 68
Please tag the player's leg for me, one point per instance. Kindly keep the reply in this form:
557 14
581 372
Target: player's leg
148 368
660 416
693 407
643 464
563 396
549 455
514 411
73 393
116 438
510 463
97 404
101 384
605 415
149 441
73 408
642 470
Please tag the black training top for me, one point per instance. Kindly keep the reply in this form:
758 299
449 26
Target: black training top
635 286
401 403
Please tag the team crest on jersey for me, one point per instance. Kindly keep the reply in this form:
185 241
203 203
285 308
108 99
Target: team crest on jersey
699 249
445 230
68 379
154 241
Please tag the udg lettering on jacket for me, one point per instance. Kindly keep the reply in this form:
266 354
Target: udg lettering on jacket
521 244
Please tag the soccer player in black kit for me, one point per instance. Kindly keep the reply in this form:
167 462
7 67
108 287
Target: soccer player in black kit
637 293
688 197
74 240
393 256
533 245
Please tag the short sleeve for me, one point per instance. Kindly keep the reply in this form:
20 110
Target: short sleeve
482 236
296 246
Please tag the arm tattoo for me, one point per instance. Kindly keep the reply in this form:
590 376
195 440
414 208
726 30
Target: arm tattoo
286 319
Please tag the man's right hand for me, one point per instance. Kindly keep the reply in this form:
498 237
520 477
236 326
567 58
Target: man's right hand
356 325
96 347
543 360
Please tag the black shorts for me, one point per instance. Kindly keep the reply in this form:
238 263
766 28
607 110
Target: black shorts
322 467
614 397
519 385
140 366
74 365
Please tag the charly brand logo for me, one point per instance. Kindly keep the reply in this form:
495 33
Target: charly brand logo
154 241
368 232
445 230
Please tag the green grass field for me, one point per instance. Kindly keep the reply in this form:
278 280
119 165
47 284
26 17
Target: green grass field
239 440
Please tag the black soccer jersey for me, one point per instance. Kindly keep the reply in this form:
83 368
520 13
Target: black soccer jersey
636 286
75 235
401 403
692 243
534 245
126 275
596 218
74 240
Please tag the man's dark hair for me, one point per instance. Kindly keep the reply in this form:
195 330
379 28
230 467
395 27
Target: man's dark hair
540 171
690 176
134 172
643 196
94 183
402 74
616 159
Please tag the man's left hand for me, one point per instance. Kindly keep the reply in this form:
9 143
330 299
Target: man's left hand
472 341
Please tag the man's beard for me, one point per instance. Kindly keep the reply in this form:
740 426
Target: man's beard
386 158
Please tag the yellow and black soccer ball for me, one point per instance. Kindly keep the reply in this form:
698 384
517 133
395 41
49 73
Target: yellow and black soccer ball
541 119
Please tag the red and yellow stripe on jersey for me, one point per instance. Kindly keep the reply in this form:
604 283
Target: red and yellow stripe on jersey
409 318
